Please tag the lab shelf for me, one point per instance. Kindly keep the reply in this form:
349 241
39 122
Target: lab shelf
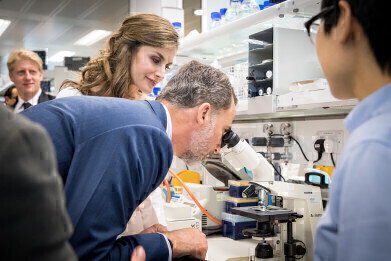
264 81
262 66
232 37
267 50
316 112
294 58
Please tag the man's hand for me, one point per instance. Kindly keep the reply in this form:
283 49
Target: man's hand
188 241
157 228
138 254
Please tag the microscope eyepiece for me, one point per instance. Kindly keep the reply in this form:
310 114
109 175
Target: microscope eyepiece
230 139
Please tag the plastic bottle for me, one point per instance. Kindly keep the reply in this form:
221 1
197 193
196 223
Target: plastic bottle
178 28
269 74
222 13
266 4
216 20
249 7
233 12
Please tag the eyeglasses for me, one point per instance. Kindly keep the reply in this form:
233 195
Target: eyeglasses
313 24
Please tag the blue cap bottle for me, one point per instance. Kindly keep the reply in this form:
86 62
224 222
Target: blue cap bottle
223 11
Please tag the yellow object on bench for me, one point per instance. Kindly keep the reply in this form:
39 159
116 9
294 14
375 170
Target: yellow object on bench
186 176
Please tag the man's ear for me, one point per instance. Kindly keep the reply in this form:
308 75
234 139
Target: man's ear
203 114
344 29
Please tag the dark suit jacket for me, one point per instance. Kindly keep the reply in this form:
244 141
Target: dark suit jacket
42 98
45 97
112 153
34 224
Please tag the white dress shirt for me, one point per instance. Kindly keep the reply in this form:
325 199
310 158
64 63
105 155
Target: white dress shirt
69 91
33 101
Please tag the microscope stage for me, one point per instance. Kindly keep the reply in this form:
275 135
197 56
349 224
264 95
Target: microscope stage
271 213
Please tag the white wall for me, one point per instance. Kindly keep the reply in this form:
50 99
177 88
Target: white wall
305 131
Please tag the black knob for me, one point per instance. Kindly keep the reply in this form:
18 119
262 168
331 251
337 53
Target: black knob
264 250
300 250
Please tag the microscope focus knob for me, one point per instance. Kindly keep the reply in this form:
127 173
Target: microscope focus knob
264 250
300 250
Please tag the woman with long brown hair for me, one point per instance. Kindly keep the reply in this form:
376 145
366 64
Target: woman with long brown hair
133 63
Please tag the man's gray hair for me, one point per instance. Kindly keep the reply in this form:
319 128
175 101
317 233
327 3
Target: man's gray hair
196 83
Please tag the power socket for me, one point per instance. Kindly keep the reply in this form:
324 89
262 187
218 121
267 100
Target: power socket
333 140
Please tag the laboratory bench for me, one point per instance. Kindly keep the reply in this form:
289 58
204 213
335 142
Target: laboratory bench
223 248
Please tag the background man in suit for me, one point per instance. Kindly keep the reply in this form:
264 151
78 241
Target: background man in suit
112 153
34 224
26 72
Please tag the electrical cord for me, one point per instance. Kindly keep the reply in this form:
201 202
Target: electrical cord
319 147
332 159
279 174
195 200
319 157
165 182
301 149
275 169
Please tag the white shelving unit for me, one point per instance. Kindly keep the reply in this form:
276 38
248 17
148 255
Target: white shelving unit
232 38
228 44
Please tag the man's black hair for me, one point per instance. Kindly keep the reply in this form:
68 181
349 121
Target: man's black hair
8 92
372 15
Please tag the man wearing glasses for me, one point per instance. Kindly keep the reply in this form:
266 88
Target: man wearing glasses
351 43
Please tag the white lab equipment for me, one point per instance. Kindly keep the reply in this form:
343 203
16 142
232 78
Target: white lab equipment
240 154
288 212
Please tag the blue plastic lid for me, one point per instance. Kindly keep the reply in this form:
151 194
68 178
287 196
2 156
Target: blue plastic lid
177 24
215 15
223 11
156 90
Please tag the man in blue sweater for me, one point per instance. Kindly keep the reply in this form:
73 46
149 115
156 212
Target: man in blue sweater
113 152
353 49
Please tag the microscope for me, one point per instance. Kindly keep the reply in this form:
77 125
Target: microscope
287 213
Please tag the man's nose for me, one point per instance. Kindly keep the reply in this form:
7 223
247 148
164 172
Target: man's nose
27 75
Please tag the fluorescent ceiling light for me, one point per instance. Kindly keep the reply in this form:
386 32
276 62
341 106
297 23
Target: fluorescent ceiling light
59 57
198 12
93 37
3 25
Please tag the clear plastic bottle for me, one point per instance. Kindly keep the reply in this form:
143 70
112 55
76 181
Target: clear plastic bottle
222 13
216 20
233 12
248 7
